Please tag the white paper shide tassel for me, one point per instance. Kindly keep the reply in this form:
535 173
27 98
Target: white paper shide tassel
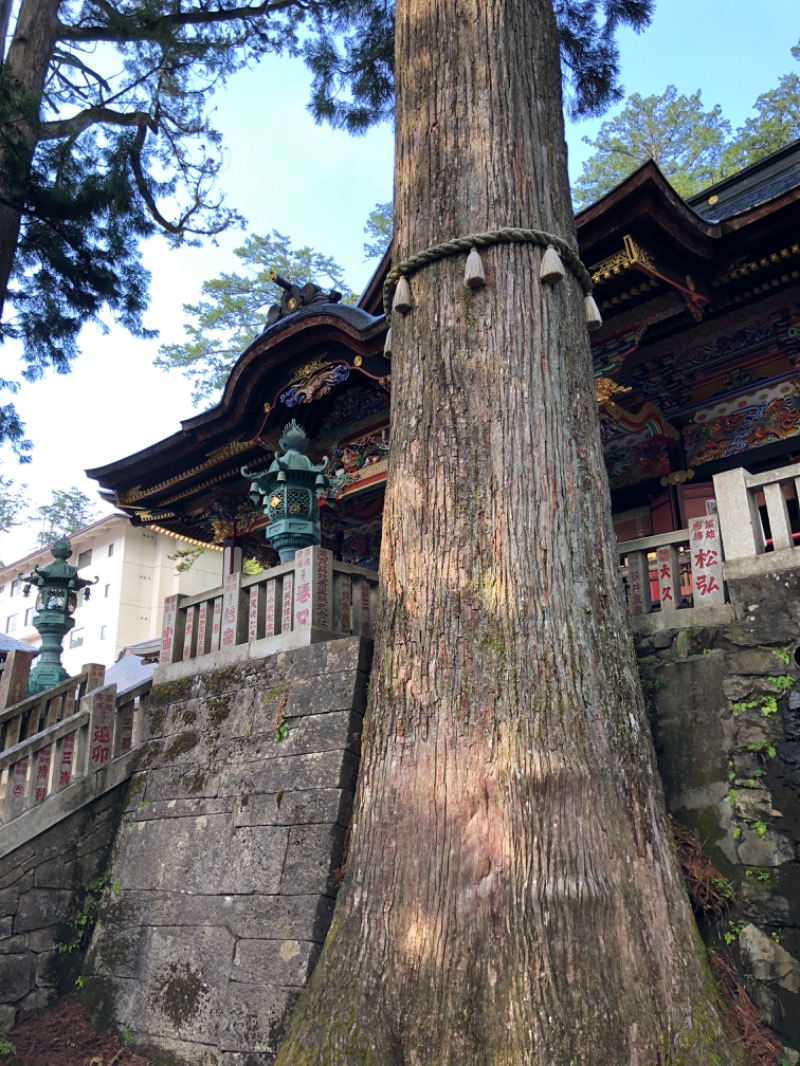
402 297
387 344
552 269
594 319
474 277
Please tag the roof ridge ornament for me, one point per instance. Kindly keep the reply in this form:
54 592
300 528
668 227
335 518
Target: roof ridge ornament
297 296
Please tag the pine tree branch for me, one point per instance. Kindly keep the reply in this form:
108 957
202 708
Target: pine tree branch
91 116
153 29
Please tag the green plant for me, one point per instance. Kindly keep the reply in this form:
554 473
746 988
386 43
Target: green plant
84 920
782 655
766 704
127 1035
80 981
281 727
723 886
737 832
7 1047
764 876
142 805
776 936
759 828
732 794
762 747
732 932
782 682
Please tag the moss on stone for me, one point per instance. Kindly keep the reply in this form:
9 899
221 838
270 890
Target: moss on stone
195 781
146 755
219 708
181 744
99 996
179 993
171 691
157 720
188 715
219 680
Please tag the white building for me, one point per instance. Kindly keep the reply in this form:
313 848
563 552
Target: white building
134 575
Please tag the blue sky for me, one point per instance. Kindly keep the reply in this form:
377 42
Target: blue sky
317 186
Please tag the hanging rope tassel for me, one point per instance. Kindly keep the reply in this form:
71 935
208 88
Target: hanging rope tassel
594 319
402 297
474 277
387 344
552 269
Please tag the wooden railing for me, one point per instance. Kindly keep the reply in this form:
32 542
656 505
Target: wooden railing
314 596
674 570
69 748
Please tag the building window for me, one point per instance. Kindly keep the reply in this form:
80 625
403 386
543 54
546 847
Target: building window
85 558
11 623
16 588
103 632
2 589
29 616
76 638
107 591
110 550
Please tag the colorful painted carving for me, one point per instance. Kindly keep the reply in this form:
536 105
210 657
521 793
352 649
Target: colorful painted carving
639 462
316 385
356 460
759 423
358 402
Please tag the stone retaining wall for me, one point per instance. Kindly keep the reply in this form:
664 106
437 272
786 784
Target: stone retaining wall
43 883
726 716
226 856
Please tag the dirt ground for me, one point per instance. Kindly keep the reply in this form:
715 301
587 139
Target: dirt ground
64 1036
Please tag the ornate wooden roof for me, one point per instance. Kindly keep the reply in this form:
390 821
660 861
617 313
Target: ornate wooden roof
661 267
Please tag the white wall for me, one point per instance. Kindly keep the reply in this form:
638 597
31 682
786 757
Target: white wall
134 575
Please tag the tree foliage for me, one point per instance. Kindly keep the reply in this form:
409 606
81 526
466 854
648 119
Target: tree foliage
693 147
378 229
13 504
103 120
68 511
675 131
232 309
776 122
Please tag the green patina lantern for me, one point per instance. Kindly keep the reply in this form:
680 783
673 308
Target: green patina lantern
289 494
58 586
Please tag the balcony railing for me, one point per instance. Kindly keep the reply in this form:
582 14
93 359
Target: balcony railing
675 570
740 498
68 748
312 598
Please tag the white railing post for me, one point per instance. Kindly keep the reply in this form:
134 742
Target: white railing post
172 630
705 553
778 514
739 520
313 597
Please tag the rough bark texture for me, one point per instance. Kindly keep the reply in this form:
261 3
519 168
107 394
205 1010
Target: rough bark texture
24 73
511 894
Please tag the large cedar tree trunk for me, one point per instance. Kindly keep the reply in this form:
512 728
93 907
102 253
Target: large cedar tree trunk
511 894
23 78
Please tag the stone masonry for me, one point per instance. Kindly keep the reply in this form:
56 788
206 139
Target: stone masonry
43 884
725 701
225 862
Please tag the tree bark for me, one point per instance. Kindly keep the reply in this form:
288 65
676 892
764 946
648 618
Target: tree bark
24 74
511 895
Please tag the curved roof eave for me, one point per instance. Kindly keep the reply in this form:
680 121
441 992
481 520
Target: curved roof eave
645 197
324 324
